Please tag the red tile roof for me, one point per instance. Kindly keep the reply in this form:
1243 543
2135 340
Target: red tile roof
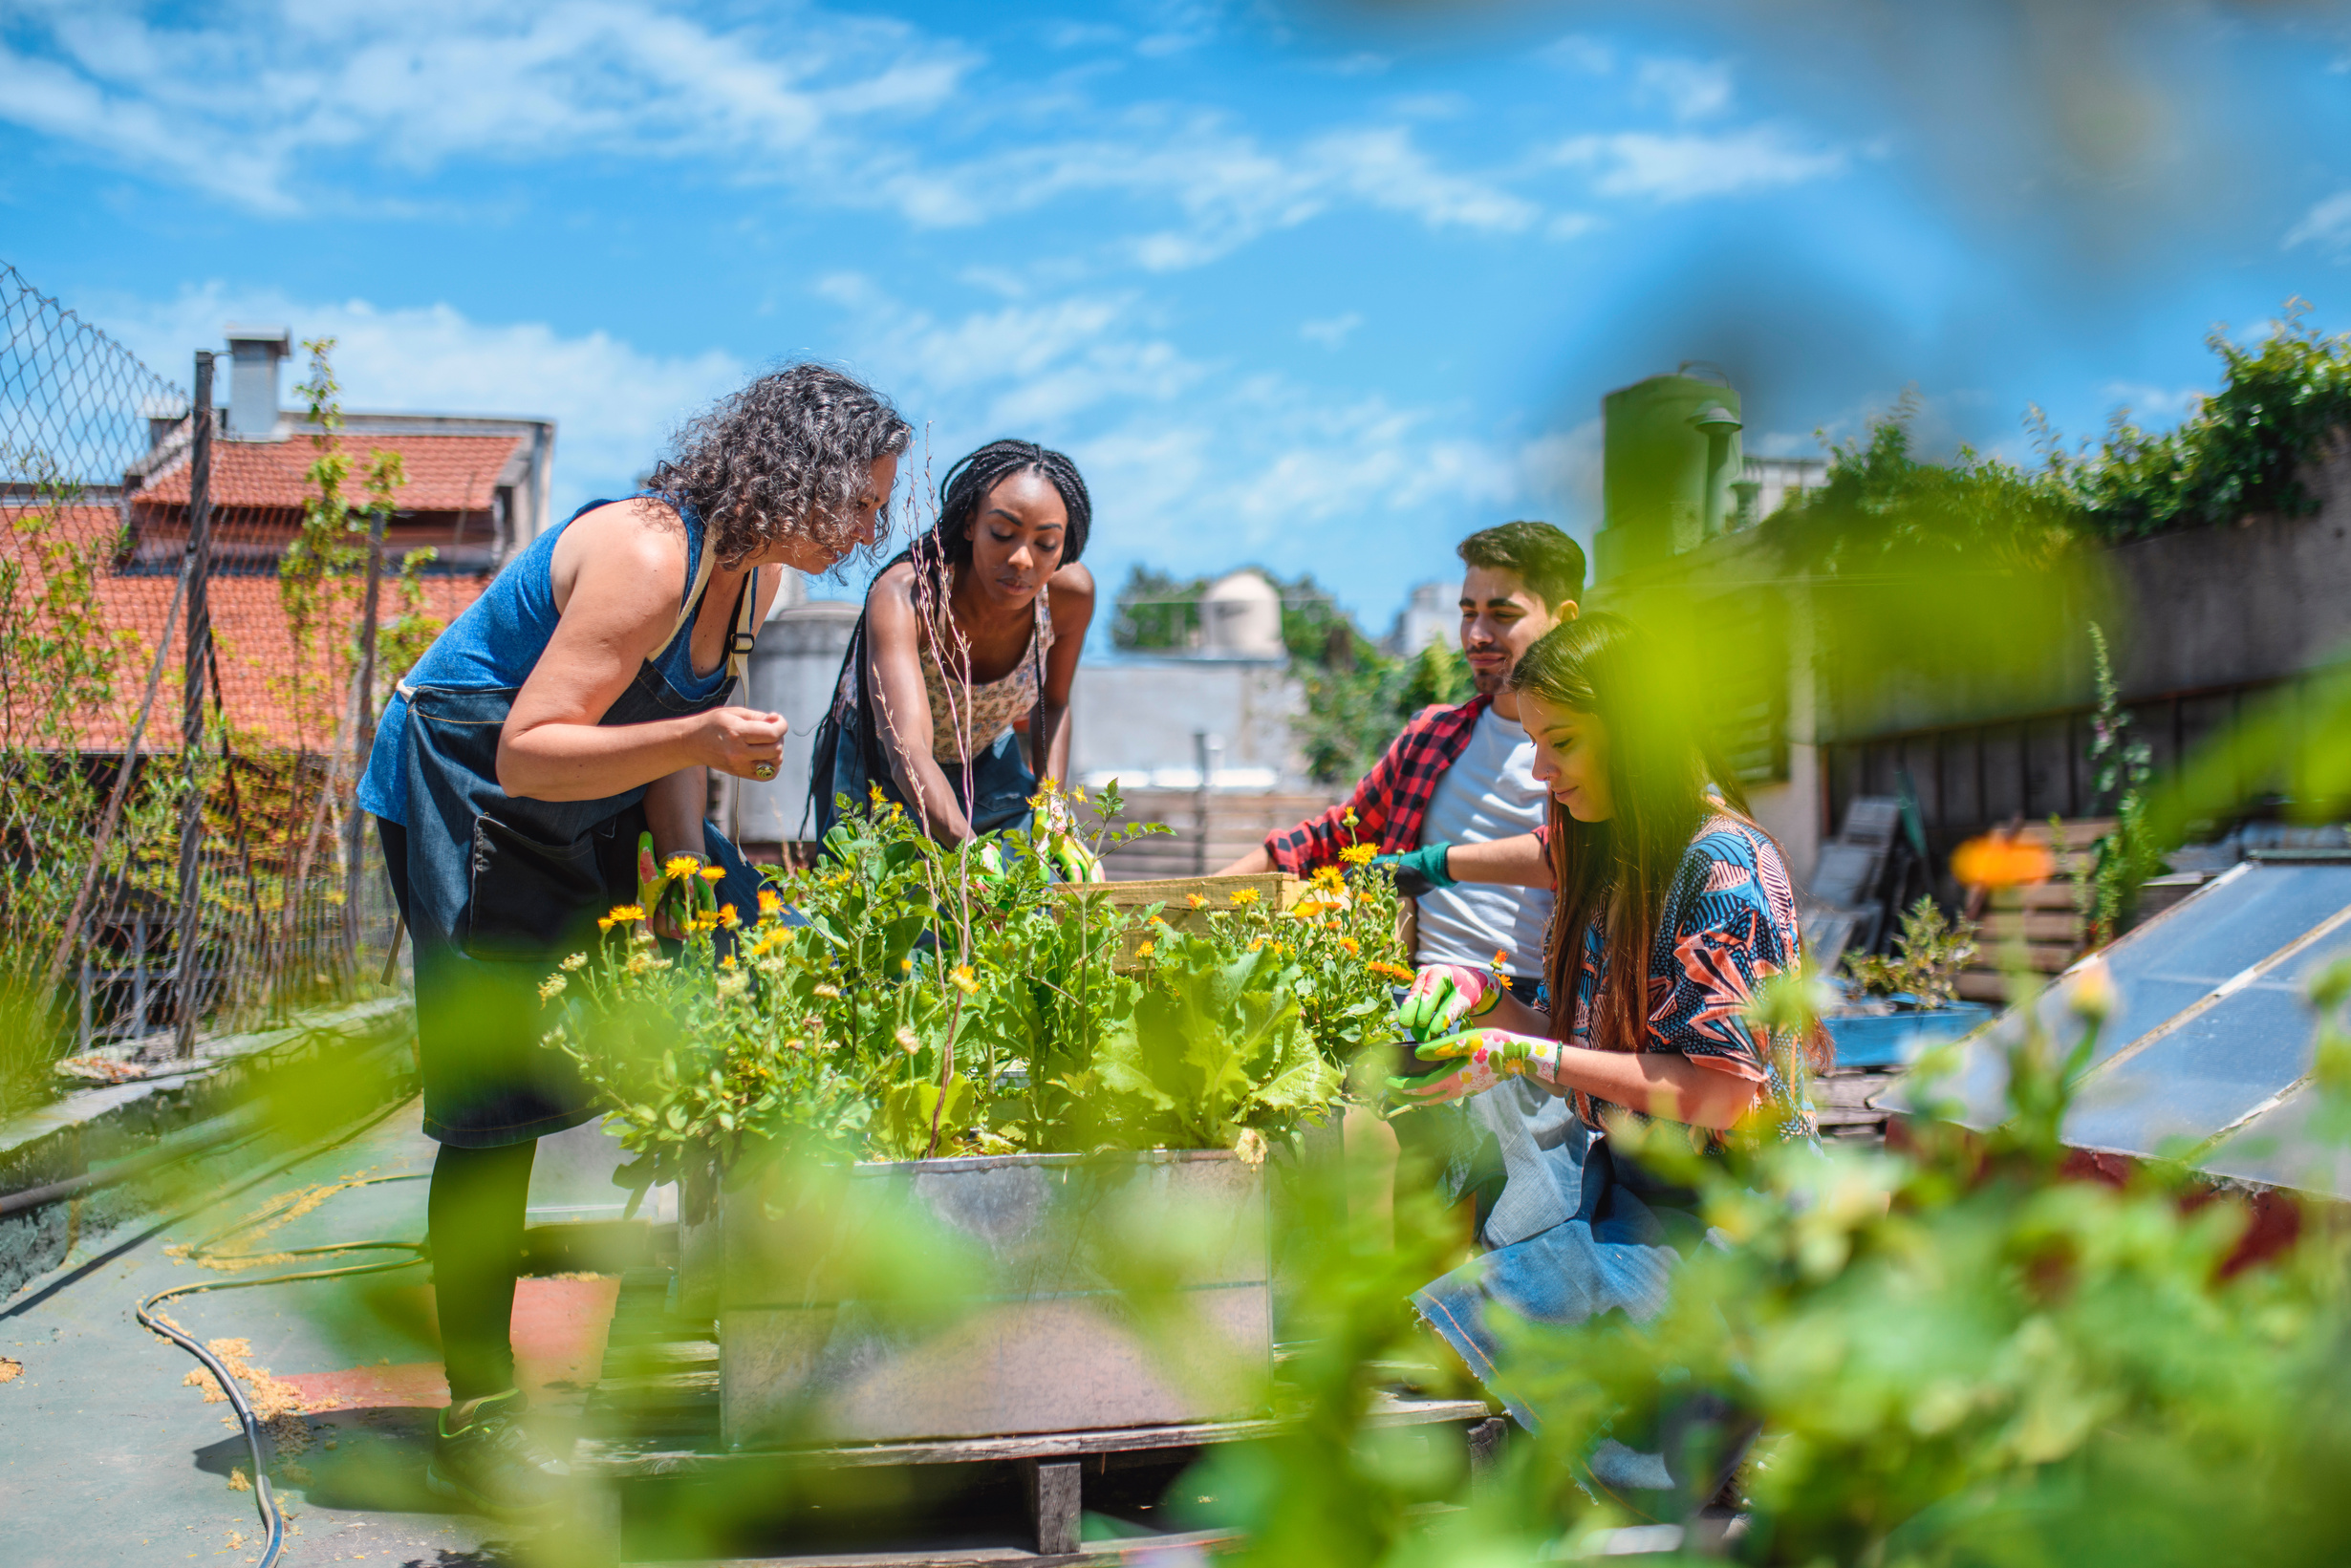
257 650
446 473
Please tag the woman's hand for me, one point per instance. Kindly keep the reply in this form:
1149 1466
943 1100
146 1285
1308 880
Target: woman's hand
742 742
1442 996
1472 1061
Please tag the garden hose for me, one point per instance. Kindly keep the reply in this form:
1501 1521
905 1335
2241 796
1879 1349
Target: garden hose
273 1520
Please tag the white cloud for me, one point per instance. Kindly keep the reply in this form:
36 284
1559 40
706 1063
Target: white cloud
1683 167
273 111
2152 404
1331 331
239 106
1576 52
1688 89
614 405
2326 225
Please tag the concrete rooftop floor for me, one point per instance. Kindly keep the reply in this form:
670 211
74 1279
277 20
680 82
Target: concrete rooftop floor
108 1455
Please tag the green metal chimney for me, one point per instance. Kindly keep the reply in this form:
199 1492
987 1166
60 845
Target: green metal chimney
1671 452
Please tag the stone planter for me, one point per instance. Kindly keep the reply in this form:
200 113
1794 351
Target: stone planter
1896 1040
978 1297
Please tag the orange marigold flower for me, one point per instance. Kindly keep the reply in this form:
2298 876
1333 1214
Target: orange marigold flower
770 902
1196 900
678 868
712 873
1996 862
1351 945
727 916
1393 972
964 981
1145 949
623 914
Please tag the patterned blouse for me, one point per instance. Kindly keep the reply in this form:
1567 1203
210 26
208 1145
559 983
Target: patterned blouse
982 712
1729 925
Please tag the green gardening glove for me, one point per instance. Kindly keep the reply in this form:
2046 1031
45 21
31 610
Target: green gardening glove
1418 871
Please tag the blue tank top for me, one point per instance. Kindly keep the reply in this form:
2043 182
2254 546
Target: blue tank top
496 644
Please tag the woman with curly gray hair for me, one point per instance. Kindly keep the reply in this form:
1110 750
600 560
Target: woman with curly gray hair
572 710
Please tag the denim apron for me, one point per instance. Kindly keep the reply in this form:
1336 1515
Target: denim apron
501 889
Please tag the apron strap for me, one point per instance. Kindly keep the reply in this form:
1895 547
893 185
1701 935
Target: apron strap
741 636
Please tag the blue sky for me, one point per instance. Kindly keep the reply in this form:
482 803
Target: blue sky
1319 287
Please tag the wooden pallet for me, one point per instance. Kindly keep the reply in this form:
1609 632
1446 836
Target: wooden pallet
654 1414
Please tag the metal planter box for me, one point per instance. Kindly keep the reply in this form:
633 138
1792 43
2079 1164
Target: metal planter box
970 1297
1896 1040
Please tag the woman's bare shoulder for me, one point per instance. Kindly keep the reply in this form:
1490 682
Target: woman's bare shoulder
634 548
1073 596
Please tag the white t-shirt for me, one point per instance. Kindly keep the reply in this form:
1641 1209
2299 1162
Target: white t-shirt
1489 792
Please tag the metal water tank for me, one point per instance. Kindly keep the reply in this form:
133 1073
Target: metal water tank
1669 454
793 668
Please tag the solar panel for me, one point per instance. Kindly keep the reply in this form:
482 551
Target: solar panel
2160 969
2211 1067
2279 1148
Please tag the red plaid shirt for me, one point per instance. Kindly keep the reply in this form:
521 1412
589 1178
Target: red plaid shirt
1392 802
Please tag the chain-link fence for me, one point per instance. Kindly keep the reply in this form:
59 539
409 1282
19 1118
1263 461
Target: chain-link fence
178 847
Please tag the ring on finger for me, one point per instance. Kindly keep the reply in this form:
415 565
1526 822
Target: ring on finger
762 771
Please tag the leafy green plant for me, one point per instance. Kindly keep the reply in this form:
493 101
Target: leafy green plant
921 1000
2121 768
1927 959
2239 453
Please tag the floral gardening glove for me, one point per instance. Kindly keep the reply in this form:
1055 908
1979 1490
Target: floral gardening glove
1472 1061
1442 996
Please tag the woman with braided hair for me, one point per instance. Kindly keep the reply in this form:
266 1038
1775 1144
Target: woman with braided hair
974 626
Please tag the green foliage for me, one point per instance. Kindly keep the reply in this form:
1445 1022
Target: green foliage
1956 1355
1927 958
1214 1045
929 1005
1353 713
1158 611
58 659
2239 454
2121 768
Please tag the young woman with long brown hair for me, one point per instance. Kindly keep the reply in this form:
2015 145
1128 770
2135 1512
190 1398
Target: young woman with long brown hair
1673 908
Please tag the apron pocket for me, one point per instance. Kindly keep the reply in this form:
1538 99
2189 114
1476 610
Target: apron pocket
527 899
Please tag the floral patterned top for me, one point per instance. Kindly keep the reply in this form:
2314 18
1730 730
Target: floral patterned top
1729 925
985 711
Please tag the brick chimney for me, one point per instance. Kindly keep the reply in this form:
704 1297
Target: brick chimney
254 352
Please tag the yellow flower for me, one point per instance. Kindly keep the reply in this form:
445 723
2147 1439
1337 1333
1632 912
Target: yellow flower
1196 900
1245 895
678 868
770 903
906 963
728 962
1359 854
1331 879
1078 795
712 874
623 914
1347 817
1145 949
1255 942
964 981
1350 943
727 916
874 791
1393 972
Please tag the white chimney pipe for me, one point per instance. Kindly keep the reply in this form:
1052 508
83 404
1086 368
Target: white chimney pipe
254 352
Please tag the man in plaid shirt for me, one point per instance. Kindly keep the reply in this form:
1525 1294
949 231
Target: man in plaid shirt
1521 580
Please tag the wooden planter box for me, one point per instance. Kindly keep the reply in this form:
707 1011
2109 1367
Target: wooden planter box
1019 1324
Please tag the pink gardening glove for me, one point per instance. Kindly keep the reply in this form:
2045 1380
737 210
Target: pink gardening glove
1472 1061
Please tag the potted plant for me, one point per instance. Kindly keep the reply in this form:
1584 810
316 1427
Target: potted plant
952 1108
1911 997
